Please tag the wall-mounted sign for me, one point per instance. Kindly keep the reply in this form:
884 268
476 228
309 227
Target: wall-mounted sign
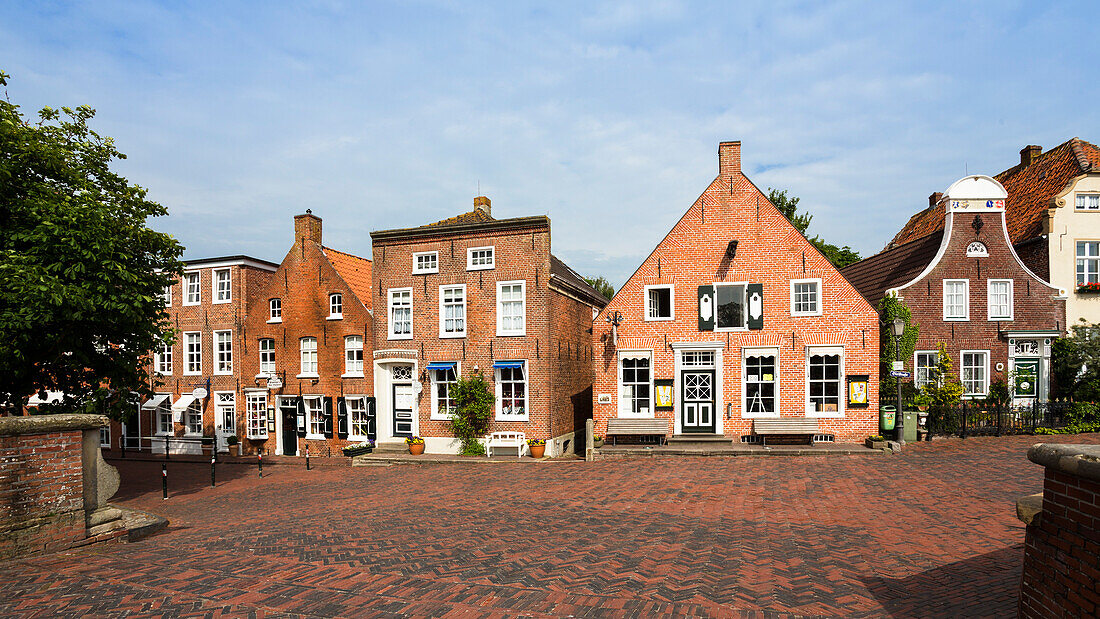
604 398
270 419
857 390
199 393
274 383
662 396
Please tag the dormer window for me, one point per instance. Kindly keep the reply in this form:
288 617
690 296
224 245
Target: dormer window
335 306
426 262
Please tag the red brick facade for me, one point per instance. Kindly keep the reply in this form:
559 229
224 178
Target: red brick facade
697 259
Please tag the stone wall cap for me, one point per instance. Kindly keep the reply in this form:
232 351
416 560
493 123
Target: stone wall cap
42 424
1080 460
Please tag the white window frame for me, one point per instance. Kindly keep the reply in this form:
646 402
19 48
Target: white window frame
1081 202
443 333
335 306
760 352
163 413
648 309
190 287
167 296
390 313
255 414
223 400
492 264
985 373
419 268
352 435
919 382
826 350
1087 258
275 310
625 400
105 436
435 382
189 415
162 360
267 363
1011 300
223 358
965 302
215 286
350 363
744 286
314 416
307 358
187 365
498 386
500 308
818 301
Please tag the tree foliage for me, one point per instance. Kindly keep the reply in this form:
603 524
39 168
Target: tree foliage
474 400
1075 364
81 276
602 286
788 205
943 389
889 309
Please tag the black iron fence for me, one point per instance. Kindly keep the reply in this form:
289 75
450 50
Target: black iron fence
982 418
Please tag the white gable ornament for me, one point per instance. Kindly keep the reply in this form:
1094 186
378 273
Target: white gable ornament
977 249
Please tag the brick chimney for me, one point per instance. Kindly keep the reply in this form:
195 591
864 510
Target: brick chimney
307 226
934 198
729 158
1029 154
483 204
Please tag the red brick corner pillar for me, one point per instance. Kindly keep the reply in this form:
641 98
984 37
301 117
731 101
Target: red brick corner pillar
1062 548
54 485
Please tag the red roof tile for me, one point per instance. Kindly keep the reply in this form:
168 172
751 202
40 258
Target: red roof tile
873 276
356 272
472 217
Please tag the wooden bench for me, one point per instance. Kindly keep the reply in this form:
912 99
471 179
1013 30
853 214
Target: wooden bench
638 427
785 426
506 440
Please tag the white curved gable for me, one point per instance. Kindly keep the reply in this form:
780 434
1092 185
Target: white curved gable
976 187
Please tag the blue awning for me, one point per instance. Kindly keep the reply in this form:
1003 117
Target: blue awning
507 365
441 365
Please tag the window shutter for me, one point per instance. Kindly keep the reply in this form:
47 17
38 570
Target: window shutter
341 418
301 416
372 432
754 299
327 412
706 308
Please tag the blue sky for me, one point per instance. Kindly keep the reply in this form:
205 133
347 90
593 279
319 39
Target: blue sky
604 116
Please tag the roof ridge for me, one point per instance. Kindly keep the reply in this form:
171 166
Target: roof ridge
327 248
1079 152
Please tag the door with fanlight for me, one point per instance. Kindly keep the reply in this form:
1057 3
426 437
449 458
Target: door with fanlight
402 399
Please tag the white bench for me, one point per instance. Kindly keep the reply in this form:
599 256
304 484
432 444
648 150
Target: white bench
507 440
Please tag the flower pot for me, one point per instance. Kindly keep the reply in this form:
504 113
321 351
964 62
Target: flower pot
875 444
416 449
358 451
537 450
597 443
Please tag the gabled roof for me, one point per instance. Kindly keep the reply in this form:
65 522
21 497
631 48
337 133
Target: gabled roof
893 267
356 272
574 282
1030 191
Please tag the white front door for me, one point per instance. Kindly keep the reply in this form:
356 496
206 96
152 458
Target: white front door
402 400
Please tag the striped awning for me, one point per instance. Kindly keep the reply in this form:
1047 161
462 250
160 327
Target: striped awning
441 365
507 365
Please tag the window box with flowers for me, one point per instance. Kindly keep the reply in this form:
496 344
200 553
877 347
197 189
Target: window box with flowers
358 449
416 445
1089 288
537 447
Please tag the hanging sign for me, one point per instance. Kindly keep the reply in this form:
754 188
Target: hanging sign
900 374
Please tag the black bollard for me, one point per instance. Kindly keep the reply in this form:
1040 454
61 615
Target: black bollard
164 480
260 459
307 457
212 471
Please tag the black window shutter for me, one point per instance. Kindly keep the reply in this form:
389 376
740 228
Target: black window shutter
372 428
706 308
341 418
754 302
328 416
301 416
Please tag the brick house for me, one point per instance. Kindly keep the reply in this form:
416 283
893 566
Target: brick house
1052 214
477 294
207 307
967 287
735 316
304 379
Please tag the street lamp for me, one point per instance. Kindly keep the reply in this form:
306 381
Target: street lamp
898 329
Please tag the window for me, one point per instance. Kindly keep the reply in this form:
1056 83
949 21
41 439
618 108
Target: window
956 299
511 383
308 347
825 375
358 423
353 355
276 308
256 413
267 357
335 305
167 296
223 289
1088 201
731 306
163 360
761 383
1088 262
105 437
223 350
1000 299
924 361
452 311
165 424
193 344
974 372
193 418
427 262
479 258
659 303
315 419
401 314
443 378
193 288
635 385
806 297
511 308
225 411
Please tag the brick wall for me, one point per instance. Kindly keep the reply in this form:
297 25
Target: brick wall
571 347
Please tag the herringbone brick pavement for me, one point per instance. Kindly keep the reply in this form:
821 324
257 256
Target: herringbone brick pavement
929 532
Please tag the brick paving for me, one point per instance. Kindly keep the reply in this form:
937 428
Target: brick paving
929 532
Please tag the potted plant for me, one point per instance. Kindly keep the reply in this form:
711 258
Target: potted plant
597 441
416 445
207 443
358 448
922 400
875 442
537 447
231 441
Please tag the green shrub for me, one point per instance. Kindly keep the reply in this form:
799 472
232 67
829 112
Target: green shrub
474 401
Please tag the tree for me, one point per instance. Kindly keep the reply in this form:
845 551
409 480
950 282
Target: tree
81 276
889 309
602 286
943 391
1075 364
788 205
474 400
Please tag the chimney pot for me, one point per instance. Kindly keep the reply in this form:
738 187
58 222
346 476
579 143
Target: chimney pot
307 227
1029 154
483 204
729 158
934 199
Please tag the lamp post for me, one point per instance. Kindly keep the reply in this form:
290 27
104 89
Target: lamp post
898 329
